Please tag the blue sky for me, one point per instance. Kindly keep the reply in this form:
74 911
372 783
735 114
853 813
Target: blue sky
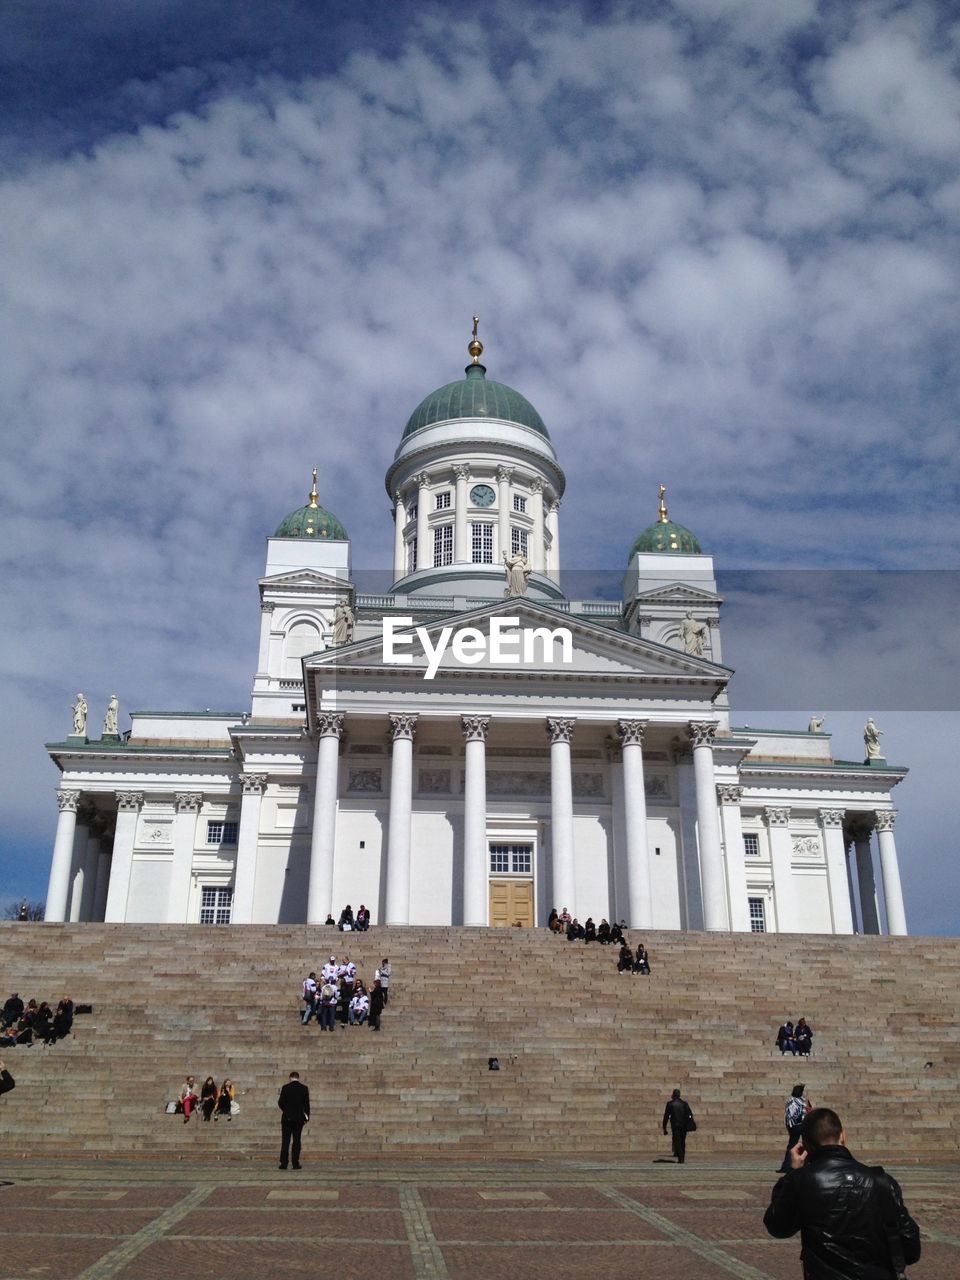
714 241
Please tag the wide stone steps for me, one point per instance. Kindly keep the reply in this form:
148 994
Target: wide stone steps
587 1055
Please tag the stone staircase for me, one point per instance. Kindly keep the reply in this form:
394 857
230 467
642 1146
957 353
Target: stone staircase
588 1056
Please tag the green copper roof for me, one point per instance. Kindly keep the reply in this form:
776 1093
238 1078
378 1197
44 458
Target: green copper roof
311 522
475 396
666 536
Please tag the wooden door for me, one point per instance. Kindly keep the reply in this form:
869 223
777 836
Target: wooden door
511 901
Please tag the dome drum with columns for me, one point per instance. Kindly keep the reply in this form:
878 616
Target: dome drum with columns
598 770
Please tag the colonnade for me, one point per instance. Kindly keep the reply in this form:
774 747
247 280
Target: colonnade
86 882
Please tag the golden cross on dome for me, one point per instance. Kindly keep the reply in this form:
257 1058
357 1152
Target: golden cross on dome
313 492
476 346
662 509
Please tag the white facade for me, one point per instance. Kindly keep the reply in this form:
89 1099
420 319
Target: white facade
611 783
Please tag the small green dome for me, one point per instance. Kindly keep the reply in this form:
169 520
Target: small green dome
311 521
475 396
666 536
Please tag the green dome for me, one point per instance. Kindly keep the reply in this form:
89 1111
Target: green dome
311 521
666 536
475 396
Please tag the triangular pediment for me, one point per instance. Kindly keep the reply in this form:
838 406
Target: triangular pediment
541 642
305 579
678 593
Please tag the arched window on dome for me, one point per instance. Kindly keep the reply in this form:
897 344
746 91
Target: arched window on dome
301 638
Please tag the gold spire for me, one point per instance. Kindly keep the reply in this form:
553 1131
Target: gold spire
313 492
662 509
476 346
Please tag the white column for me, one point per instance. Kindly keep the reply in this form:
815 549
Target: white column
781 858
403 726
99 909
399 520
869 915
129 804
323 840
537 559
619 903
553 524
188 805
266 622
475 895
708 827
639 892
838 885
504 476
78 865
424 550
91 854
58 886
561 815
732 825
890 874
848 861
462 551
245 874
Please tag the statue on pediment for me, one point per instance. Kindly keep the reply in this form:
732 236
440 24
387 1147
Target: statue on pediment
518 575
112 718
80 716
343 620
693 633
871 740
815 725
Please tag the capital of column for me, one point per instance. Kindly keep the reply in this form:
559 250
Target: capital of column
728 793
330 724
68 801
403 724
631 732
554 506
560 730
253 783
129 801
475 728
885 819
504 473
860 829
613 748
831 817
188 801
536 485
461 471
702 733
267 606
421 479
776 817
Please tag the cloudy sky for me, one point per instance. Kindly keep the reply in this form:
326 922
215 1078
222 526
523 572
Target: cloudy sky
714 241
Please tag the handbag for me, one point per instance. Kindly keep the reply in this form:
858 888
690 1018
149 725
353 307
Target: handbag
691 1123
234 1107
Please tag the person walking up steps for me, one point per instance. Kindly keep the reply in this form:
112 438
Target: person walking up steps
678 1115
294 1104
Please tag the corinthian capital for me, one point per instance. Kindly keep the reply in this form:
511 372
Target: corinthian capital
728 793
777 817
474 728
68 801
330 724
504 474
702 733
631 732
461 471
253 784
560 730
188 801
403 725
885 819
831 817
129 801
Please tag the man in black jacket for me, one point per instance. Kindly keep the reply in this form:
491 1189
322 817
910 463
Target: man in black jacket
678 1115
7 1081
852 1221
294 1103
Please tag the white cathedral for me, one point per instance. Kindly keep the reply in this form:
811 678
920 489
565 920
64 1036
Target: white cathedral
471 746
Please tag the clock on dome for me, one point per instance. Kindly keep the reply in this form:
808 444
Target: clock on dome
481 495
